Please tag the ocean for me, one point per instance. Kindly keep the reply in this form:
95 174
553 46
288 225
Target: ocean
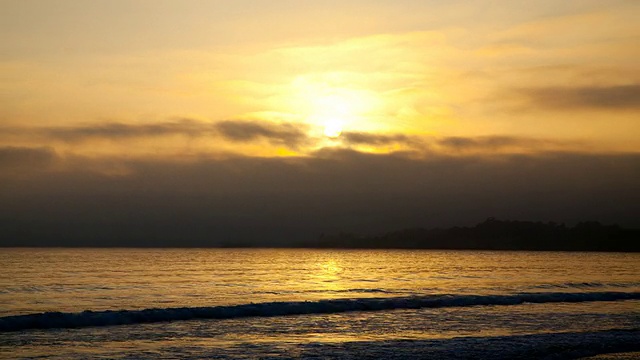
317 304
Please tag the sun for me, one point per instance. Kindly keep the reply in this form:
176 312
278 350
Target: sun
331 106
332 112
333 128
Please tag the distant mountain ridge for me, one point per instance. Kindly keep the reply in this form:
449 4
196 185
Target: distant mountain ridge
493 234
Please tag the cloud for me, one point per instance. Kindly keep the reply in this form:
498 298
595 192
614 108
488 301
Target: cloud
288 134
12 157
622 97
457 144
118 131
501 143
291 135
468 142
363 138
294 136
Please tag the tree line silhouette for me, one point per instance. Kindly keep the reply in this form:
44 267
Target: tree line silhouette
493 234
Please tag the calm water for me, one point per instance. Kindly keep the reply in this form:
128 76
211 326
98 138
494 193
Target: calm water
402 304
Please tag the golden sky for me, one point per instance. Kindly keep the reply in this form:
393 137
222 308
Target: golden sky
157 122
280 78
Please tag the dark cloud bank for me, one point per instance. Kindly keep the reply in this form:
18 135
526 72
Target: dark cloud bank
275 201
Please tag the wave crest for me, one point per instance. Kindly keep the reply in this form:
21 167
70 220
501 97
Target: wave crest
90 318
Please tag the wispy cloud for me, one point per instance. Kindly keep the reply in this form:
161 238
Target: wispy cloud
290 135
364 138
287 134
460 144
497 143
270 135
621 97
117 131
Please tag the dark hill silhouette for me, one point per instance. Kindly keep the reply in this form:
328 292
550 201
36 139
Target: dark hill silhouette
495 234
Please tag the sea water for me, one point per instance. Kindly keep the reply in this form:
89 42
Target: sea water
277 303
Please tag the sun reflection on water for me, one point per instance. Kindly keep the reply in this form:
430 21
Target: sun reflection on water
328 276
330 267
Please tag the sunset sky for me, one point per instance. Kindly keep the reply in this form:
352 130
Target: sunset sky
156 120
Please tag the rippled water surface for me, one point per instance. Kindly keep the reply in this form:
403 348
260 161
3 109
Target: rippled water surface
73 280
433 302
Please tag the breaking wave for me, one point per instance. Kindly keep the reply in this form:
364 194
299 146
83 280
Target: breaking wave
124 317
